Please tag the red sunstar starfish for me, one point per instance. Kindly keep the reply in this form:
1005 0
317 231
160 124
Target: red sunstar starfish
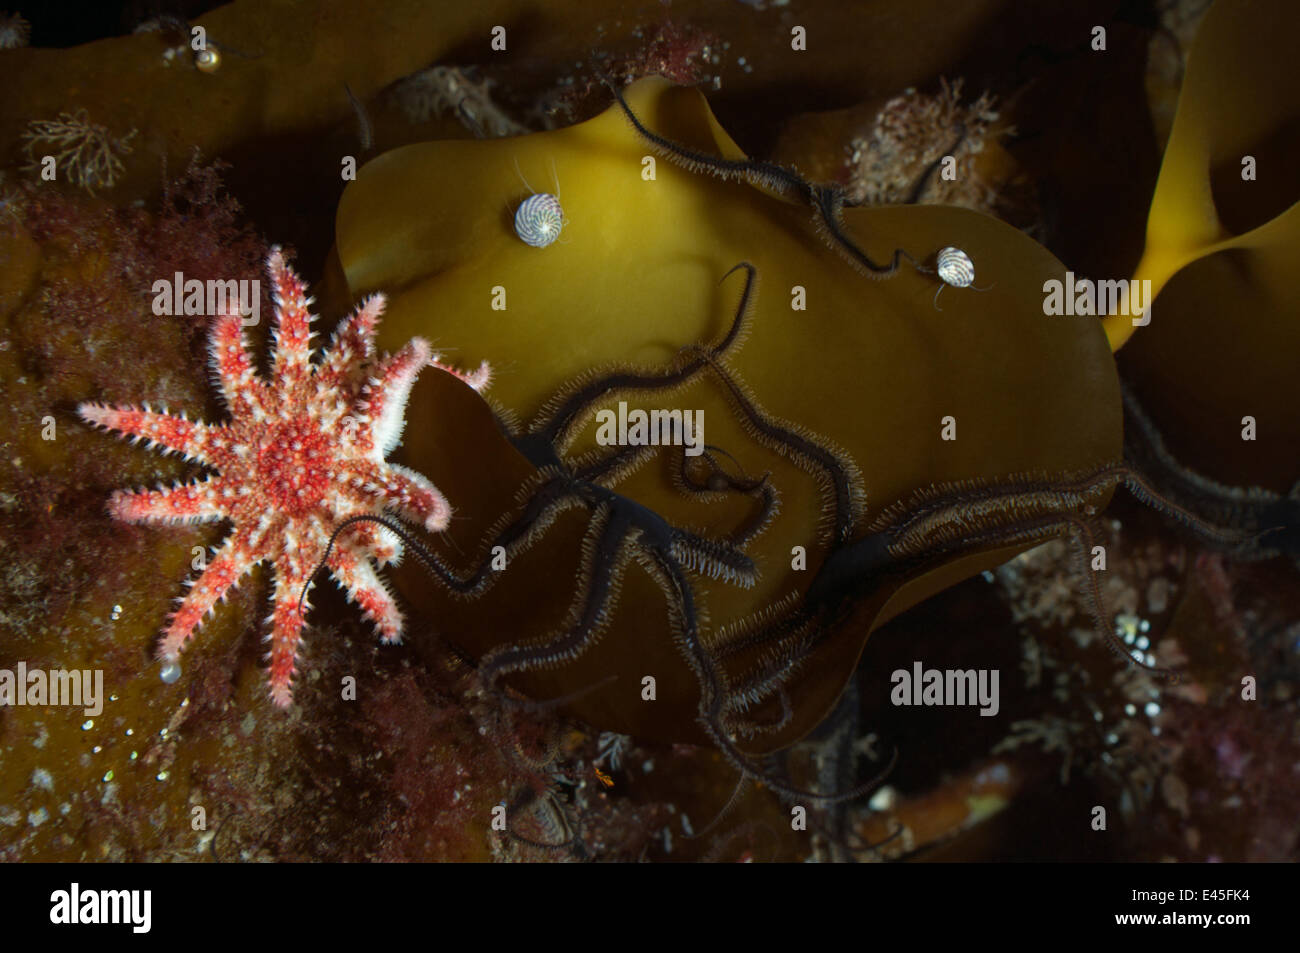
300 454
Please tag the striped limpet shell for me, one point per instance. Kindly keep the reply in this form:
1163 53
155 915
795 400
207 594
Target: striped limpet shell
955 267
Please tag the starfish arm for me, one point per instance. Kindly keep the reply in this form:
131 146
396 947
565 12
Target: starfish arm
159 429
292 572
412 495
384 397
291 363
357 577
477 379
243 391
200 502
231 560
352 345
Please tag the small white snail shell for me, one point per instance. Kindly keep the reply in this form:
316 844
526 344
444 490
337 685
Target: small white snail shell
955 267
207 60
539 219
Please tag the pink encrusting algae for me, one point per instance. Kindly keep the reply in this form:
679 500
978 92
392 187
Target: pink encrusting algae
300 454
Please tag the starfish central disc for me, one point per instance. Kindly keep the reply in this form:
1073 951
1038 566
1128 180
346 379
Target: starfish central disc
293 467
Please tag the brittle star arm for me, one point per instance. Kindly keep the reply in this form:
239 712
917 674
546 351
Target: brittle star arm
560 414
714 694
1273 517
836 473
541 500
826 201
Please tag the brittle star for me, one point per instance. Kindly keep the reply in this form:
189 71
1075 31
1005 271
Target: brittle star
619 529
